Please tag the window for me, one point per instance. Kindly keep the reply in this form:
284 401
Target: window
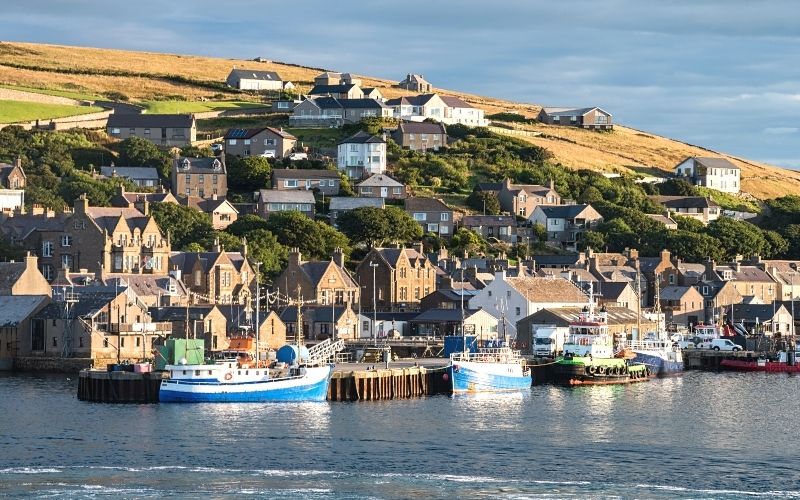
354 147
198 278
138 342
445 217
114 131
444 229
214 178
122 341
247 142
331 183
105 342
416 293
232 142
376 159
517 311
490 293
202 178
147 131
671 279
397 190
433 228
80 341
47 249
66 240
270 142
47 271
66 260
419 216
55 342
290 183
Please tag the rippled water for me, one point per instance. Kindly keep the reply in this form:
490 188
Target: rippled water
702 435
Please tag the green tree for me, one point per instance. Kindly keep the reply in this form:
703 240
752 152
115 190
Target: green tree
693 247
404 227
249 173
539 231
263 247
481 201
226 240
245 224
737 237
590 195
688 224
776 245
315 239
677 187
139 152
194 247
594 240
467 241
184 224
368 225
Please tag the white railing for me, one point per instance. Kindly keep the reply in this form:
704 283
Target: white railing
324 351
489 355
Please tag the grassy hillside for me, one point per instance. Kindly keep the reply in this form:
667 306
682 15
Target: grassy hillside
19 111
143 77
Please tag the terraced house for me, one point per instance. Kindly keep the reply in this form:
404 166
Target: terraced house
163 130
325 282
522 199
216 277
432 214
265 141
402 277
92 238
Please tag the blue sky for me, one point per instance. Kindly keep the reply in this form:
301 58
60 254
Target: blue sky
723 74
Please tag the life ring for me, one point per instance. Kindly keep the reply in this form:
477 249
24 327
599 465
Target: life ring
228 376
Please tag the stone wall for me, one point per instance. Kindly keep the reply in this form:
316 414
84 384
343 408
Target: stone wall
52 364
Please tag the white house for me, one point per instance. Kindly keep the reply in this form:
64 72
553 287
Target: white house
714 173
246 79
512 299
362 155
447 110
11 199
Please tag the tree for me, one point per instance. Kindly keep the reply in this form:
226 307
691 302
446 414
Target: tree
249 173
776 246
227 241
688 224
693 247
194 247
138 152
677 187
539 231
245 224
404 228
467 241
263 247
590 195
594 240
484 201
184 224
315 240
737 237
368 225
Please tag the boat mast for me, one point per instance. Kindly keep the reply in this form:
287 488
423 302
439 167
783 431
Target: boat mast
258 309
638 303
463 334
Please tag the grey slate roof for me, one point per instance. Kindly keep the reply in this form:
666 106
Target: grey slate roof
347 203
562 211
422 204
91 300
714 162
613 289
488 220
685 201
286 196
301 173
249 74
571 111
334 103
247 133
749 312
16 309
143 173
150 121
10 272
199 165
421 128
381 180
362 137
331 89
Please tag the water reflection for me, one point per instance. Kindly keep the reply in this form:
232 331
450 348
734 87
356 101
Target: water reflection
493 410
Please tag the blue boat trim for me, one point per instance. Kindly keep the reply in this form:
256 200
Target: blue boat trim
659 366
465 380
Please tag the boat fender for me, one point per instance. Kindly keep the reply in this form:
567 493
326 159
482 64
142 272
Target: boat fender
601 370
614 370
592 369
228 376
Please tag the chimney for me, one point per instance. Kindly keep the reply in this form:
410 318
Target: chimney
145 207
244 247
294 257
552 184
338 257
216 247
18 162
665 256
175 273
711 266
738 266
120 189
31 260
418 247
81 205
446 283
37 209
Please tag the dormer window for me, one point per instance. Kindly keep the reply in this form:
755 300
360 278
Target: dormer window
216 165
185 163
727 275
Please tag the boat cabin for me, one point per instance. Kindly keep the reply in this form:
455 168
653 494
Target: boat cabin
589 335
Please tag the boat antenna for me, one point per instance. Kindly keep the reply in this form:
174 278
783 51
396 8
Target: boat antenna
463 333
258 310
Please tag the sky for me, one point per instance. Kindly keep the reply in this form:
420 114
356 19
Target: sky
723 74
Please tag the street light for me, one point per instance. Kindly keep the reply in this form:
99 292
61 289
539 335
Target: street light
374 265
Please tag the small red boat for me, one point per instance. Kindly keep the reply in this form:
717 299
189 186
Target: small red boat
759 365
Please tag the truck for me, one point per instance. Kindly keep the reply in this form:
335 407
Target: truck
548 340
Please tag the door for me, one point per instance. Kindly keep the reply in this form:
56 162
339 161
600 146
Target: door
384 192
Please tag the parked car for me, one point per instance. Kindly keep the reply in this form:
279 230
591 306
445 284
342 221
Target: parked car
720 345
216 148
298 156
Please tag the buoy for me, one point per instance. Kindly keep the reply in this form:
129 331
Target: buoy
445 377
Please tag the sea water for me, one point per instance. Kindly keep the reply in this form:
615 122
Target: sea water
703 435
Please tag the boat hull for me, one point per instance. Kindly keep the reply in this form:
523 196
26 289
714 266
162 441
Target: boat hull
659 366
753 366
584 371
469 377
312 386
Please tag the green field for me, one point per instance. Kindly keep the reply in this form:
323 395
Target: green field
317 137
70 94
19 111
174 107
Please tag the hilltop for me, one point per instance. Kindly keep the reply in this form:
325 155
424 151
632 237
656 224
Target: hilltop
86 73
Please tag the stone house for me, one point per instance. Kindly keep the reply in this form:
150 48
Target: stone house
271 334
617 293
202 177
318 325
127 199
750 279
92 238
512 299
16 312
403 276
326 182
415 83
718 296
382 186
216 277
204 321
762 318
588 118
522 199
566 224
341 204
420 136
106 324
248 79
321 281
23 278
696 207
361 155
715 173
328 78
441 322
152 290
501 227
162 130
432 214
682 305
265 141
221 211
12 186
786 275
270 201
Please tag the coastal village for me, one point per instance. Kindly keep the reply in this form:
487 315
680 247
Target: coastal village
336 214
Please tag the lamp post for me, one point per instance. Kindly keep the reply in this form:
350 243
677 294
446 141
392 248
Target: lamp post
374 266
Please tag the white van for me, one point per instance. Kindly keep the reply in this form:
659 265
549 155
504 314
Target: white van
724 345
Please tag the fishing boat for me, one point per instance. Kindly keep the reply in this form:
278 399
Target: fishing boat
589 356
497 369
785 363
662 357
304 378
